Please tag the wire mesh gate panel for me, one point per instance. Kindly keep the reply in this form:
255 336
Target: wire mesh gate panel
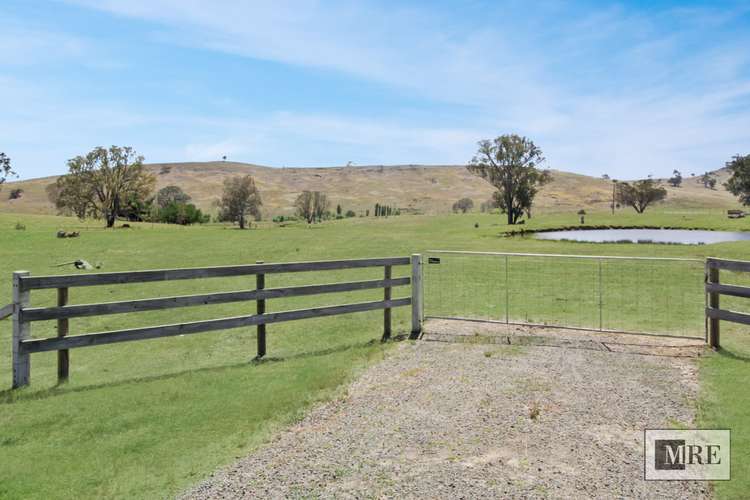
618 294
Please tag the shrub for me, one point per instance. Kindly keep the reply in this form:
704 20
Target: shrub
20 227
15 193
182 213
350 213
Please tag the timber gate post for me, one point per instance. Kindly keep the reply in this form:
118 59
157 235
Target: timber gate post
21 331
417 298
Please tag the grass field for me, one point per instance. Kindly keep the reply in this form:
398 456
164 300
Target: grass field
148 419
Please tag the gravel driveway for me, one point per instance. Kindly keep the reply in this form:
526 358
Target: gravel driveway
470 416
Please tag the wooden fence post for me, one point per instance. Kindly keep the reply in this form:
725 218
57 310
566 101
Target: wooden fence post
713 303
416 294
21 331
63 355
387 311
260 284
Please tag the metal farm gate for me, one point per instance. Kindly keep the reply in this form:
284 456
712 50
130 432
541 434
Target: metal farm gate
663 296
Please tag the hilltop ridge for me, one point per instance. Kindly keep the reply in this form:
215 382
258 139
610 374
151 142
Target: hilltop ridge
428 189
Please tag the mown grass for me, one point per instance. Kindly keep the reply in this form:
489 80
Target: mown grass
148 419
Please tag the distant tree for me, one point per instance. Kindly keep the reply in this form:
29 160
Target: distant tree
605 177
311 205
488 206
350 214
239 200
640 194
15 193
5 169
367 212
224 158
338 209
739 182
171 194
708 180
101 183
676 179
463 205
304 206
509 163
320 205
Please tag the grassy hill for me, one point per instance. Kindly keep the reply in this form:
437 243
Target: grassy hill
423 189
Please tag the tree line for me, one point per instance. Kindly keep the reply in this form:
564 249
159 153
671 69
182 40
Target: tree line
111 183
511 163
108 183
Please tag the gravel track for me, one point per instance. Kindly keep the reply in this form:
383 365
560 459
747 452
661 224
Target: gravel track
482 420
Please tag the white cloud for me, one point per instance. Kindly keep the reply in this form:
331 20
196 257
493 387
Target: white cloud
607 90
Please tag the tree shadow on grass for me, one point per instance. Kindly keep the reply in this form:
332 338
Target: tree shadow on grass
10 396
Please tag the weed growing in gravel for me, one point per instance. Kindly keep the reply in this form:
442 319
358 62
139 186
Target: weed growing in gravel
413 372
535 411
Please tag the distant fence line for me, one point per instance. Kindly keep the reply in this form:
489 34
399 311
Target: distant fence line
23 315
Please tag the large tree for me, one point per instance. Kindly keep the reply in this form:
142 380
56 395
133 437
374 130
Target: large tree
240 199
5 169
739 183
103 183
311 205
640 194
510 163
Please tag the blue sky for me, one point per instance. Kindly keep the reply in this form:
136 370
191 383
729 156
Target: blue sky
628 89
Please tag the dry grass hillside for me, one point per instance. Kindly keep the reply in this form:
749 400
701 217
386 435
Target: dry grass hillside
422 189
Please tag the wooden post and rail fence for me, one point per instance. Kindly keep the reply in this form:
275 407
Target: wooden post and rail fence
23 315
715 289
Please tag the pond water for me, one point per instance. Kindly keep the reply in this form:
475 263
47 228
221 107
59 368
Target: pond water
681 236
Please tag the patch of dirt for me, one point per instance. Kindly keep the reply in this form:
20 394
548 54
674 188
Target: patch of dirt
478 419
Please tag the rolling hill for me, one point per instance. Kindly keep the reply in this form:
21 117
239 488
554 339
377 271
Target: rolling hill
413 188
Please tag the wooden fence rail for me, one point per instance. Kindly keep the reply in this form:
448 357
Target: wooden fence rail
715 289
23 315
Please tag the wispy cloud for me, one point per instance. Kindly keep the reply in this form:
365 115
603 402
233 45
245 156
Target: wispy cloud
609 88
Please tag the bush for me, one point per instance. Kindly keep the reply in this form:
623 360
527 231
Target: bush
182 213
350 213
20 227
285 218
15 193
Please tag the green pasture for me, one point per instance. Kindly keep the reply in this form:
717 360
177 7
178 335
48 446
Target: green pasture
148 419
